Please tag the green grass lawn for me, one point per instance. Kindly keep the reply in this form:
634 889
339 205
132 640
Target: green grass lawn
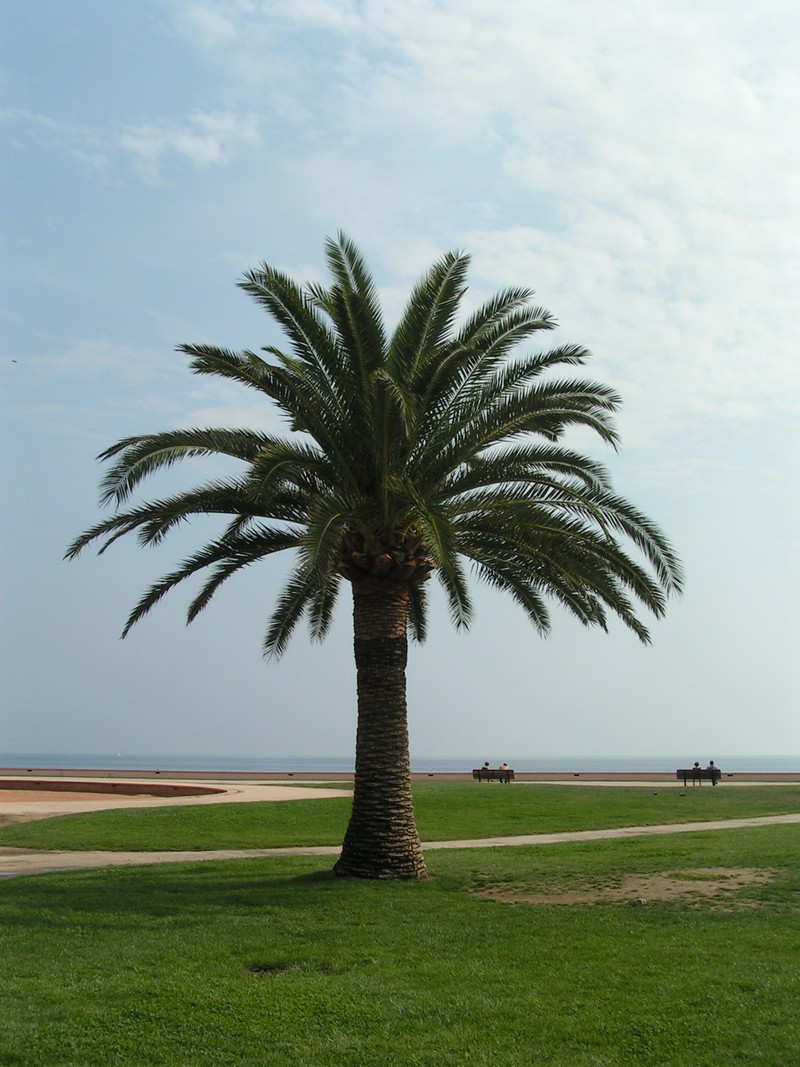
275 961
522 956
444 811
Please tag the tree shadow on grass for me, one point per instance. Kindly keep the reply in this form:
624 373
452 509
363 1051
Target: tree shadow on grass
186 894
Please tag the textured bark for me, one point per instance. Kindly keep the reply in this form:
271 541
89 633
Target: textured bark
381 839
386 568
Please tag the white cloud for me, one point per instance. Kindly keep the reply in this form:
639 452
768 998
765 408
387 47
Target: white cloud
209 25
84 144
648 159
635 166
206 139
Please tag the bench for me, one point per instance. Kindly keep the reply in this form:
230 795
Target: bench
698 775
490 774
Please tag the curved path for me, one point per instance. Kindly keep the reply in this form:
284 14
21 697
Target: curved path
15 861
71 796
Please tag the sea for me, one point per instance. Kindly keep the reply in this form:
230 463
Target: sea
419 764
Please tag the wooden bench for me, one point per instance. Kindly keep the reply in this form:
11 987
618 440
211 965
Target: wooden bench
492 774
698 775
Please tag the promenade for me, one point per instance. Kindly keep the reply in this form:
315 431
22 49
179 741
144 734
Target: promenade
24 798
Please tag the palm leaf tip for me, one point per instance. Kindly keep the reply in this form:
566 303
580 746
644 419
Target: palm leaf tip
74 549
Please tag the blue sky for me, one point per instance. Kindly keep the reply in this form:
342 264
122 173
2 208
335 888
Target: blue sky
636 165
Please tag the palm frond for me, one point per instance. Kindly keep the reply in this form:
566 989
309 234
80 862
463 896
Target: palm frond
141 456
295 311
325 522
474 354
418 613
524 465
353 303
321 605
230 553
428 319
292 603
441 539
497 574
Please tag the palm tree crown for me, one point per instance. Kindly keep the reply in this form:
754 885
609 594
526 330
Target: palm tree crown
410 454
414 452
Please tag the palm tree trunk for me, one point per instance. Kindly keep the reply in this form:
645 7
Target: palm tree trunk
381 839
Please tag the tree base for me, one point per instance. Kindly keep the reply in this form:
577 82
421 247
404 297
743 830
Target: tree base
410 869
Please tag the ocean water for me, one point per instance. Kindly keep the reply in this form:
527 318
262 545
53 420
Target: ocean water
419 764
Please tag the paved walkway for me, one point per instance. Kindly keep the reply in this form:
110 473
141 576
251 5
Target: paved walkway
15 862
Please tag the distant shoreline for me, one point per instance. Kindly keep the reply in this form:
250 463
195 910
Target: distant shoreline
459 763
554 777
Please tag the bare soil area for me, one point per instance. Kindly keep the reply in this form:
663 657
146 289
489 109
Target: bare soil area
696 887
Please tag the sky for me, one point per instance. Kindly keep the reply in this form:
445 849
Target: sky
636 164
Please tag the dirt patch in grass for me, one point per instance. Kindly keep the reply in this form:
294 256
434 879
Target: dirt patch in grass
698 886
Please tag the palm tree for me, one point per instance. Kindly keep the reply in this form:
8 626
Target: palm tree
409 454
